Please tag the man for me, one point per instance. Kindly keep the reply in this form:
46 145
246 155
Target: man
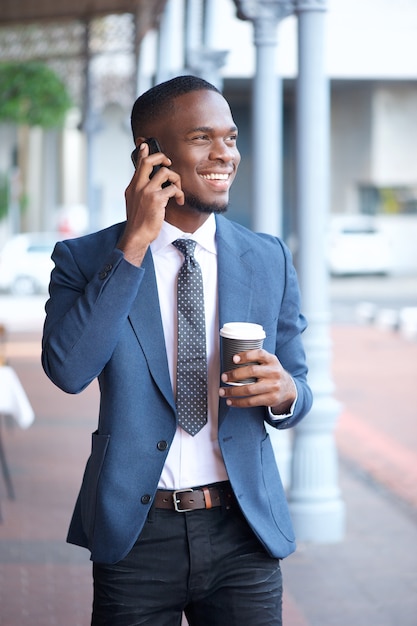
175 520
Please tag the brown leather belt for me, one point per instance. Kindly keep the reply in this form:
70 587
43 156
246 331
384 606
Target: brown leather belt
183 500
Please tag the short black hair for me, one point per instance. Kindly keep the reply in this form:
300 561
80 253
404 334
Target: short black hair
159 99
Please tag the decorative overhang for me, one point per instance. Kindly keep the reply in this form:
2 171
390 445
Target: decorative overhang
15 12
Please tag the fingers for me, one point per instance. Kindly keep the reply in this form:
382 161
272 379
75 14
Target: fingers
153 173
270 385
249 364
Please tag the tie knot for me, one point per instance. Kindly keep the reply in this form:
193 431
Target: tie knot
185 246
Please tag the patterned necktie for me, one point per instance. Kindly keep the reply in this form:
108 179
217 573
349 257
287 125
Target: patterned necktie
192 357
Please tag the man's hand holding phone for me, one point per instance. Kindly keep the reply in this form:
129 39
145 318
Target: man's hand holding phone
149 191
154 148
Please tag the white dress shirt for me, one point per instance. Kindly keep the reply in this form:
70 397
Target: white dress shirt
197 460
193 461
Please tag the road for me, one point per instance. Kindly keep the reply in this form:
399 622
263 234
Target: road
391 292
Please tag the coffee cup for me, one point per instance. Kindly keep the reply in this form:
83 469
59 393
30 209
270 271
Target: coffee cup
238 337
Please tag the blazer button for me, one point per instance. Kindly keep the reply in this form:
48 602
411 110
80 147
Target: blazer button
162 446
105 271
145 499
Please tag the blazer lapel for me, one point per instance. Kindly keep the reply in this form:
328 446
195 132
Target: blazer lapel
235 275
235 282
147 324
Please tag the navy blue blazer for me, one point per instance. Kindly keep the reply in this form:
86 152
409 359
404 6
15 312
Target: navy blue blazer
103 321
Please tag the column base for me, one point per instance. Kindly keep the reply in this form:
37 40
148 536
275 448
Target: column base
318 522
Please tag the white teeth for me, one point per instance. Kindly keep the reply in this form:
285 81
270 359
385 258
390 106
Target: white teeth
215 176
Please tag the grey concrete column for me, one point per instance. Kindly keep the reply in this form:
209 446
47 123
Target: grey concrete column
267 149
201 56
167 38
316 506
193 30
266 113
90 127
50 180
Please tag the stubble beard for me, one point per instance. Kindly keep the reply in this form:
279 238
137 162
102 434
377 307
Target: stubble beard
205 207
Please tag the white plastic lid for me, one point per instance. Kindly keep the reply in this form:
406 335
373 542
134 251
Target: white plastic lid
242 330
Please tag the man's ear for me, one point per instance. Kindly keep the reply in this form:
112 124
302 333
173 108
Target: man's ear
139 140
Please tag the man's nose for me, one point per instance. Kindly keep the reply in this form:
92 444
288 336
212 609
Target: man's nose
220 151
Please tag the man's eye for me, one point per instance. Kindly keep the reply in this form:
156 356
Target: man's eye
232 138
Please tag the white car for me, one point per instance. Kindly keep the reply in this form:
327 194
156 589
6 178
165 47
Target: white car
25 263
357 247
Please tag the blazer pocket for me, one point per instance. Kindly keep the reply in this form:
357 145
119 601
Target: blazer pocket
99 445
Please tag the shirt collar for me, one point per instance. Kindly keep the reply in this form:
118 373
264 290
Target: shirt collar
204 236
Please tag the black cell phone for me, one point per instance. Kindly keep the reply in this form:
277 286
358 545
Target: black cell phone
153 147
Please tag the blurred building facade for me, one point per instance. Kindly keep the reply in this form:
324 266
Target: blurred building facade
371 53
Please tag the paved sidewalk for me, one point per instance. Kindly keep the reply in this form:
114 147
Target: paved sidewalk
369 579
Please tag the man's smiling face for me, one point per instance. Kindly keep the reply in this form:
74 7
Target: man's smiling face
200 136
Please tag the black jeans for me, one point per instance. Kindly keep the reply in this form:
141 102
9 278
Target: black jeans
207 563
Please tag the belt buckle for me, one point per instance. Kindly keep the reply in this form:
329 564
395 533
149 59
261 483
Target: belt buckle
177 502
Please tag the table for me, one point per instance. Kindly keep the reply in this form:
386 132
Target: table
14 408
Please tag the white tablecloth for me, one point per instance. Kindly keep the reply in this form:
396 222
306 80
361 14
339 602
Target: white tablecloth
13 399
